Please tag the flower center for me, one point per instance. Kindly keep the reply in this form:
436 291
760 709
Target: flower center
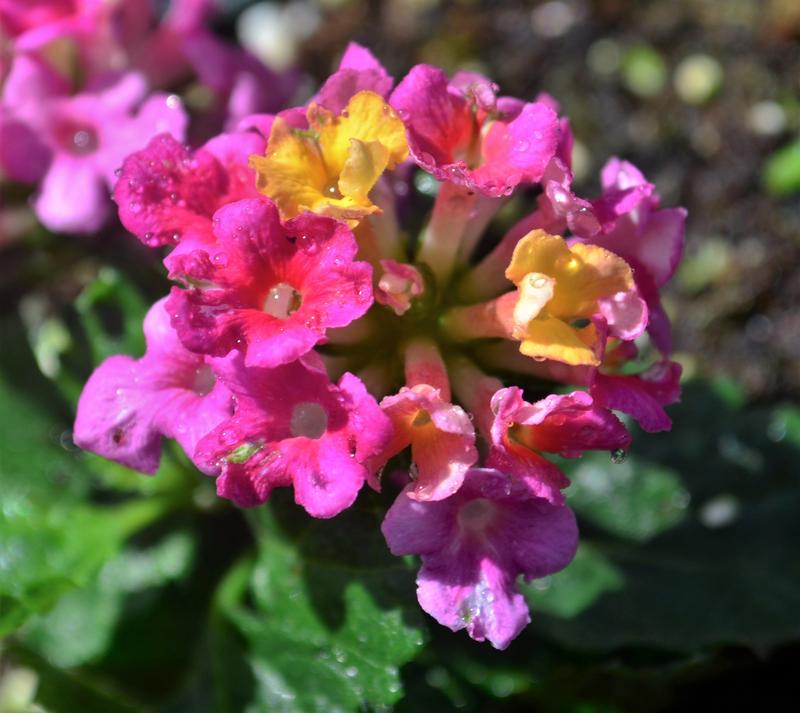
476 515
309 420
204 380
282 301
77 138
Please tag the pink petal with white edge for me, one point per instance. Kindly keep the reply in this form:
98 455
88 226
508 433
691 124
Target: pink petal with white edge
626 314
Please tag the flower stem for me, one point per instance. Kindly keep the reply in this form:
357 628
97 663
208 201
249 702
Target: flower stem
488 278
480 321
474 390
424 365
441 239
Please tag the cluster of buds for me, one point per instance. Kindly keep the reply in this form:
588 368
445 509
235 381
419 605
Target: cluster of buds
311 341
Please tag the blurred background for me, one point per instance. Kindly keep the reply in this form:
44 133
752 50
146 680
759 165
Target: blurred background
119 592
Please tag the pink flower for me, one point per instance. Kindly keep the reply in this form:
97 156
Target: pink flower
648 238
74 144
473 547
292 426
564 424
452 134
441 437
267 289
358 71
398 286
167 194
129 404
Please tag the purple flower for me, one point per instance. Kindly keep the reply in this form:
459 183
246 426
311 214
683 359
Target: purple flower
72 145
475 544
129 404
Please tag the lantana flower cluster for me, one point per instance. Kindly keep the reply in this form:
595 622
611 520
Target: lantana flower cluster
83 83
311 341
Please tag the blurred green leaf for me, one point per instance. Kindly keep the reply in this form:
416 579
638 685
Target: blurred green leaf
728 572
569 592
79 627
633 499
112 311
781 175
334 608
52 539
644 71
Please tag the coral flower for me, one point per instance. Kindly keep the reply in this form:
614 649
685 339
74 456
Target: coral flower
566 424
331 167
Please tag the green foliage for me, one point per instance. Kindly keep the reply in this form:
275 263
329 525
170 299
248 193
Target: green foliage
330 606
120 592
781 174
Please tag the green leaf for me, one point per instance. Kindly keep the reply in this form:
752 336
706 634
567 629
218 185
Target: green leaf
727 573
112 311
782 170
569 592
632 499
332 607
52 539
79 627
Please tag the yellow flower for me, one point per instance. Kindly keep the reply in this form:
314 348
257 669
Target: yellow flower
331 167
558 290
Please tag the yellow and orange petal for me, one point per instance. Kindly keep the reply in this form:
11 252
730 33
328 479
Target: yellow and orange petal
331 168
557 286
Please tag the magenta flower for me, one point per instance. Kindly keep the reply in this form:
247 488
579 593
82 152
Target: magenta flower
129 404
74 144
292 426
473 142
473 547
648 238
167 194
566 424
358 70
267 314
642 396
267 289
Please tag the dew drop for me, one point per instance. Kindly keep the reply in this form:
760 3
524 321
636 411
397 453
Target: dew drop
229 436
308 244
618 456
